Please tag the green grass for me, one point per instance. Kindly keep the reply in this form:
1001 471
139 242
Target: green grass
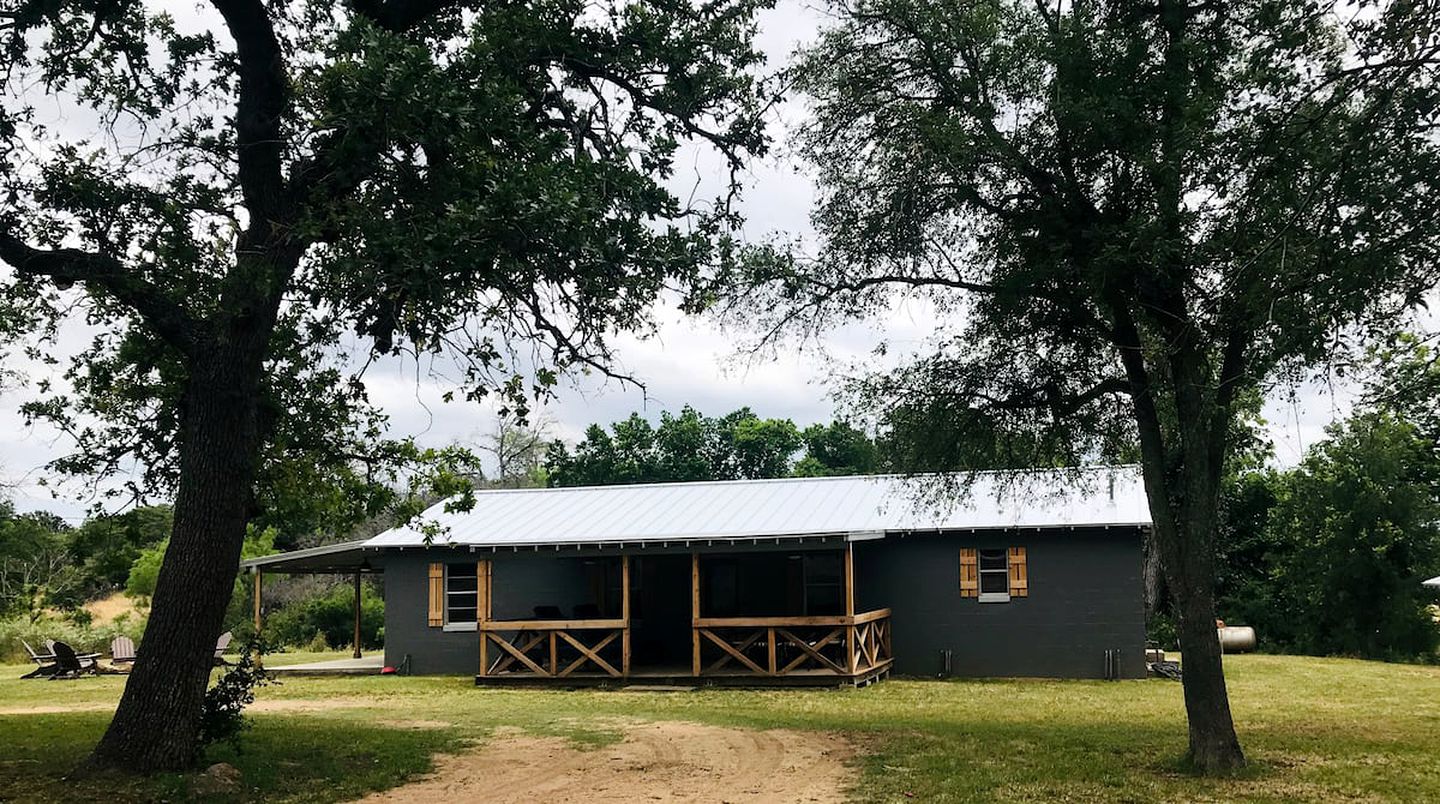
1315 729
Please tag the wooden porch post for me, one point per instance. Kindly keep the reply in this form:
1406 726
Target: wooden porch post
625 615
695 613
482 612
356 654
850 608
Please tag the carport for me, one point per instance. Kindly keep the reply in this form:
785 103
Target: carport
344 558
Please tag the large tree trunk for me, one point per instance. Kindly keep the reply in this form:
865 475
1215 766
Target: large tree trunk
1214 746
1154 579
157 723
1185 541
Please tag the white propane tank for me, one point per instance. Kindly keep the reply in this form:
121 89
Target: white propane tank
1237 638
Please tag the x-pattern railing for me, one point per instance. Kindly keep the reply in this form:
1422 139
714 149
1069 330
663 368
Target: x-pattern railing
550 648
778 646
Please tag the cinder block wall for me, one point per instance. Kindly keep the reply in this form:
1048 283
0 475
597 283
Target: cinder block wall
1086 596
521 582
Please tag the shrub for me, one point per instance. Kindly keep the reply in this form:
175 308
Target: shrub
82 637
329 616
223 715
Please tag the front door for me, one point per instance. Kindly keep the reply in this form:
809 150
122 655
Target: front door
660 612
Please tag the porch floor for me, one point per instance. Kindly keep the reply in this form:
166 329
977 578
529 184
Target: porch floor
681 677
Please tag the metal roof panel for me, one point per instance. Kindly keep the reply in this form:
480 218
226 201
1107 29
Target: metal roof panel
745 509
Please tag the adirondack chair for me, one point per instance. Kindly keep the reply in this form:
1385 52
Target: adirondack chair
50 644
69 664
122 650
44 662
220 645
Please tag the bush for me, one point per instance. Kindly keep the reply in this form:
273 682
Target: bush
222 717
83 638
328 620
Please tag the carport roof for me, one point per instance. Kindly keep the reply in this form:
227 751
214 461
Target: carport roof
344 557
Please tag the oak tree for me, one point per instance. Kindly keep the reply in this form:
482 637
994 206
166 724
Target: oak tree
1126 217
235 213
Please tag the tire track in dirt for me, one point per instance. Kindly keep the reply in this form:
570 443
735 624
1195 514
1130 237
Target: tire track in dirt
665 761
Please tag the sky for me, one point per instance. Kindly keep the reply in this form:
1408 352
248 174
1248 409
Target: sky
688 361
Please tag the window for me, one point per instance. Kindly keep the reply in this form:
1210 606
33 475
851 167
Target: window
994 576
824 584
460 594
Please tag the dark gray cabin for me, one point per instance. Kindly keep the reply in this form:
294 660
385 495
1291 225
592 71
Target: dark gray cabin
794 581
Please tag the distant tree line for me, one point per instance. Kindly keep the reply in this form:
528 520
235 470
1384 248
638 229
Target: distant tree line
47 565
1328 557
690 446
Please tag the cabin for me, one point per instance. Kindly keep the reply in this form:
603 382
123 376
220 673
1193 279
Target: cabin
795 581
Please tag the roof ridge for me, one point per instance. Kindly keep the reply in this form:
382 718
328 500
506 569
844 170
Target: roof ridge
793 479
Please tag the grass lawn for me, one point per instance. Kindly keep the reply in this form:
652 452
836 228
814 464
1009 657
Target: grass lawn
1315 729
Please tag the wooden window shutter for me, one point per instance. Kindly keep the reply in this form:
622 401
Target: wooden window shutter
969 572
437 595
482 590
1019 574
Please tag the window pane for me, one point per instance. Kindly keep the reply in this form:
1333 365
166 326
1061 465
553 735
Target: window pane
823 568
992 581
457 614
822 599
460 578
461 587
994 560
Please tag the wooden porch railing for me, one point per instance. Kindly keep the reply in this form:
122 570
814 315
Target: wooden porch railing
777 646
552 648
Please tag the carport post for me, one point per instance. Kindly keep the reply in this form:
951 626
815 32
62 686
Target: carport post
258 658
357 614
256 571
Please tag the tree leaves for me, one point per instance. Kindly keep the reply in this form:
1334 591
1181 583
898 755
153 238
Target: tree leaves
483 185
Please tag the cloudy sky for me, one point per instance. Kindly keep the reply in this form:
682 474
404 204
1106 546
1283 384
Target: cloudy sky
688 361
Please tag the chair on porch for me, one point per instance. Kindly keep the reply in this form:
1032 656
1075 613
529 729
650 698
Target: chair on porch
587 611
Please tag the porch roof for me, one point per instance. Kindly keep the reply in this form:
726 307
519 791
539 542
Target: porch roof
1435 582
851 507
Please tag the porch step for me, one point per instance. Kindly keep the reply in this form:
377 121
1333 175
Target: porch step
659 688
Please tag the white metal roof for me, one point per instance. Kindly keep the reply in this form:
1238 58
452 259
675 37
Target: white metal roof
1433 581
854 507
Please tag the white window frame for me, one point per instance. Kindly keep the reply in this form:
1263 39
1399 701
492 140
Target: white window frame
981 571
462 625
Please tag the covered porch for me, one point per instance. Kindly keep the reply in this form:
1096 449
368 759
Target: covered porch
772 614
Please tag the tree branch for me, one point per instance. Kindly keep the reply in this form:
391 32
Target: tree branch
264 94
67 266
398 16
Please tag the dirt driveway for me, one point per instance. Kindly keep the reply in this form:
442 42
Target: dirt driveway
654 762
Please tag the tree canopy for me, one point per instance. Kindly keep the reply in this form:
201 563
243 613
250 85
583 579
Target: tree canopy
1126 218
1328 557
250 208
